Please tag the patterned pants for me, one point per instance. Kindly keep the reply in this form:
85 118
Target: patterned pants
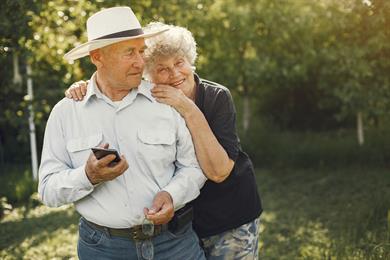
240 243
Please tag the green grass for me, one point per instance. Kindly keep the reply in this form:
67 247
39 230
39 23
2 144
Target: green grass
270 148
39 233
16 183
309 214
325 214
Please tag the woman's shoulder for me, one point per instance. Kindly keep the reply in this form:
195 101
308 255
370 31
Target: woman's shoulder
213 87
215 93
215 97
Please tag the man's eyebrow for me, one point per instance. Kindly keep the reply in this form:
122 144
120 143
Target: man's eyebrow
129 49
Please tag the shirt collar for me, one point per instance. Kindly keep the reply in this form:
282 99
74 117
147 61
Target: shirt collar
92 90
144 88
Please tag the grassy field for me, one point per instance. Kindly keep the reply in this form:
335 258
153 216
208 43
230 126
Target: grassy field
325 214
309 214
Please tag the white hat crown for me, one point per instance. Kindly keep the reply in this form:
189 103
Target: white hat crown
111 21
107 27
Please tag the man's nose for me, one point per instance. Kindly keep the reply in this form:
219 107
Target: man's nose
139 60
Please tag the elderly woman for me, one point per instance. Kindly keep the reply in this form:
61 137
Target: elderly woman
226 213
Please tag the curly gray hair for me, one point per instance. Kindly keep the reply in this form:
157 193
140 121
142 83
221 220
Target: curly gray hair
176 41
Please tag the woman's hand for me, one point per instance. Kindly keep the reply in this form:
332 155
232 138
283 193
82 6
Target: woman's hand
212 157
174 97
77 90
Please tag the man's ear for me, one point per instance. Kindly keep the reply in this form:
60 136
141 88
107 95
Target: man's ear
96 58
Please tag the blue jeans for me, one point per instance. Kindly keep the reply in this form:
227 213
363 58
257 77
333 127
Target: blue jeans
96 244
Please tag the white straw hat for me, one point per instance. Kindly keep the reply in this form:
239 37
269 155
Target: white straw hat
109 26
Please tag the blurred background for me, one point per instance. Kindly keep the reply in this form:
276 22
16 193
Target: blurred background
311 83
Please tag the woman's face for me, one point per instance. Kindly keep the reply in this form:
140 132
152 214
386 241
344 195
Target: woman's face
174 71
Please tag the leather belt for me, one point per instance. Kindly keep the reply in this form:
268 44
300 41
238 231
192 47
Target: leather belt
134 233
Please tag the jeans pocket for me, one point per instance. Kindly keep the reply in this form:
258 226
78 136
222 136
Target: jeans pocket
181 232
90 236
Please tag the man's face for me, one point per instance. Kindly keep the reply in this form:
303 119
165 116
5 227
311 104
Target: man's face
175 71
122 63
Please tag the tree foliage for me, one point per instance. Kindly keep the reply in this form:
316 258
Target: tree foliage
305 65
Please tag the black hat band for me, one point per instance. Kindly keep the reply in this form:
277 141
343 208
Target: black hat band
128 33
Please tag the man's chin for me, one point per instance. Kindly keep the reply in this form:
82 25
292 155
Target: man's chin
134 82
138 82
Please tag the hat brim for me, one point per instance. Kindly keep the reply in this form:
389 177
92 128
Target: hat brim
84 49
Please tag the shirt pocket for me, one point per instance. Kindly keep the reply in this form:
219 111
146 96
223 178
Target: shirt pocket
156 146
80 148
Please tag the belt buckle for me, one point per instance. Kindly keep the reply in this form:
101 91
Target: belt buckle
137 235
134 235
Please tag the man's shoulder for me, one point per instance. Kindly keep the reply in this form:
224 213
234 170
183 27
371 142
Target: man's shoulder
64 104
165 109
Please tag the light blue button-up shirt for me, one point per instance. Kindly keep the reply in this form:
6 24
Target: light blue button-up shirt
153 138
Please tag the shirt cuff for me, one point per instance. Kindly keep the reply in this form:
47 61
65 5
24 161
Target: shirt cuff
176 194
83 178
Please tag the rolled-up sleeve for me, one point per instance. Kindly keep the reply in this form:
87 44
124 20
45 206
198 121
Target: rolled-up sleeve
188 178
59 183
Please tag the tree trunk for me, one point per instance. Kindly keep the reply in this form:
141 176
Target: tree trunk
1 152
246 112
33 142
243 84
360 130
17 77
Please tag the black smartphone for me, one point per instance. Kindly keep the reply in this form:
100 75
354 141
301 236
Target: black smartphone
101 152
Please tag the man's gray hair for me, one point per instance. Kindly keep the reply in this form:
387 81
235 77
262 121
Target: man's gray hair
176 41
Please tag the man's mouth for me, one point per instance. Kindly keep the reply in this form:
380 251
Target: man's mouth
134 74
177 83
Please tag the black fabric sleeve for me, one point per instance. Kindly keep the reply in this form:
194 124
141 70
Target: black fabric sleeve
223 123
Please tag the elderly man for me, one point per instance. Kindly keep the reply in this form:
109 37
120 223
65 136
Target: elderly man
157 169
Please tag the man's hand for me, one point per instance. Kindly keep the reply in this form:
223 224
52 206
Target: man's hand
161 211
99 170
77 90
